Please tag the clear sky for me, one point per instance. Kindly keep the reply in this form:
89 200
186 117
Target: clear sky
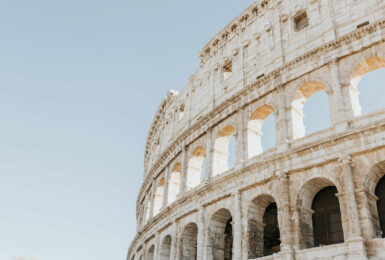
80 82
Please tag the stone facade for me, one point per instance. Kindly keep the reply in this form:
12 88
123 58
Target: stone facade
269 60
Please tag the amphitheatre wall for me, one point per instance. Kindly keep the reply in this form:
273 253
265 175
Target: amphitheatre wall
269 61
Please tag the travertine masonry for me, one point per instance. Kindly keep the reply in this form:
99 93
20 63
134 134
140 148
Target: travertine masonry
194 205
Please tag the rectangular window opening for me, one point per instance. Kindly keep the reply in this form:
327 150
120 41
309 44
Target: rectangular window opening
227 70
301 21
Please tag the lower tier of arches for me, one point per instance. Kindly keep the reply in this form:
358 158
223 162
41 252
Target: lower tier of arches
335 212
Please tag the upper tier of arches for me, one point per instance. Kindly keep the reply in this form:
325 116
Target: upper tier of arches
212 154
263 41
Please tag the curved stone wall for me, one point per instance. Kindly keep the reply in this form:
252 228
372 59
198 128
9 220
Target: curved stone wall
194 205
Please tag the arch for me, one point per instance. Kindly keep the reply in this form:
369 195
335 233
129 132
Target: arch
147 209
195 168
220 238
174 183
188 242
327 223
254 129
221 150
358 72
165 250
150 253
317 189
133 257
302 94
263 227
158 199
380 193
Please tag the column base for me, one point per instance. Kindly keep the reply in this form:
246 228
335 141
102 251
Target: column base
357 248
287 253
341 127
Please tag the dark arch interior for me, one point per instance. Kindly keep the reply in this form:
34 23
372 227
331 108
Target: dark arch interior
188 242
271 235
327 224
228 240
380 193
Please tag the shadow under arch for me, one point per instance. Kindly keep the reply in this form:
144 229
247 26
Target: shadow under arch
188 242
309 202
220 238
150 253
263 227
375 185
165 250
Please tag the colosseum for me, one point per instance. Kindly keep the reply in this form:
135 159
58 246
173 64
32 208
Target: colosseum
310 196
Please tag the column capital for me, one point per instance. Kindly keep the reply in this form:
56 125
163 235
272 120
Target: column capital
344 159
281 175
333 61
236 193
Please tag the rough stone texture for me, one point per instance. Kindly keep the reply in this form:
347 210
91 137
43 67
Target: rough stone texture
270 59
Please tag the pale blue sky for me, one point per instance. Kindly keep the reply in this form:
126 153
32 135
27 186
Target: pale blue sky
80 82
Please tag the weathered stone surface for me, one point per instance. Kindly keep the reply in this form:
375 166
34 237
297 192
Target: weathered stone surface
270 59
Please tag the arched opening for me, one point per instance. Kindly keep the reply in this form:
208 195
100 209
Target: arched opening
150 253
271 235
133 257
147 207
319 214
263 228
327 224
165 250
261 122
220 236
380 193
195 168
188 242
158 200
174 183
222 151
366 87
316 108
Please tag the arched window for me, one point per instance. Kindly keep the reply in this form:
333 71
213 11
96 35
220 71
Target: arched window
220 240
370 85
195 169
316 109
188 242
150 253
133 257
222 151
327 224
148 206
174 183
263 228
261 130
380 193
159 193
165 250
